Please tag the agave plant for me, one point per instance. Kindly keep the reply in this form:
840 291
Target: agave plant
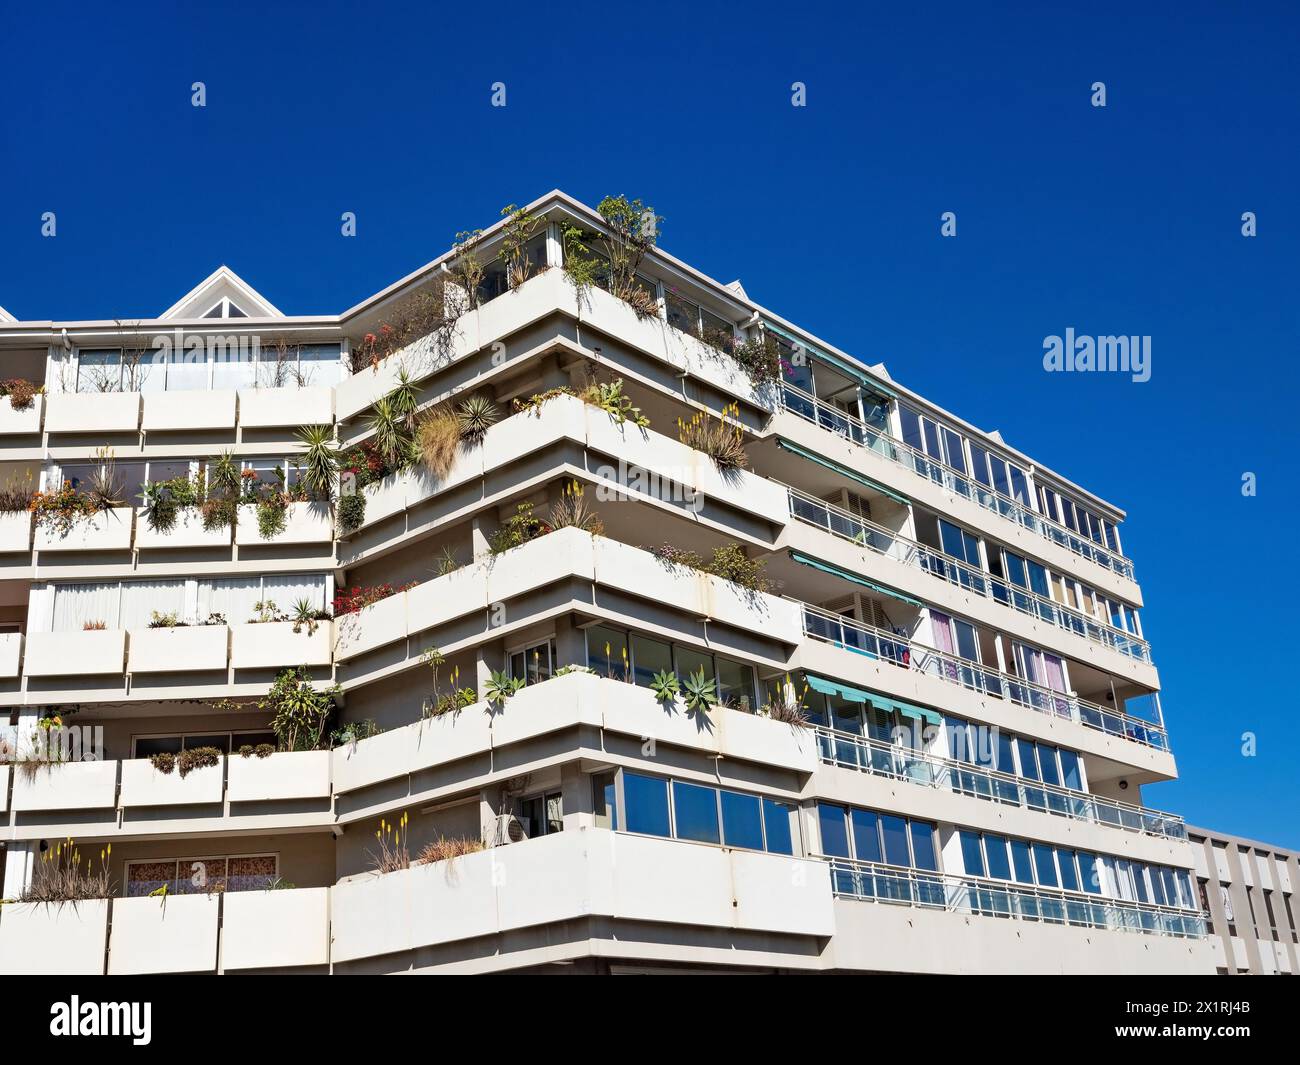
500 687
475 416
665 686
701 693
320 460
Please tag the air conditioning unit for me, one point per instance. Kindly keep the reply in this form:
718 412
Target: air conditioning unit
511 829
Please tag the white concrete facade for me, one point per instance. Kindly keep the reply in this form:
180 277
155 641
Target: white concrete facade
960 625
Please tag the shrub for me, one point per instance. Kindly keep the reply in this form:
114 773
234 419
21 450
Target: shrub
60 875
169 620
728 562
437 441
60 510
358 597
218 513
164 762
760 358
94 626
193 758
272 515
351 512
517 530
475 416
722 440
262 750
609 397
20 391
299 713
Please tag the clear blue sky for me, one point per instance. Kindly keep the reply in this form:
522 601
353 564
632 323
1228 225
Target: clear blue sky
1117 220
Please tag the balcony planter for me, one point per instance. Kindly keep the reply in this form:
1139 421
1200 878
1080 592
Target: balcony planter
67 786
559 703
107 530
44 939
187 532
179 650
267 408
171 411
11 649
286 775
26 422
372 626
15 531
304 523
143 785
70 654
275 929
274 645
173 935
92 412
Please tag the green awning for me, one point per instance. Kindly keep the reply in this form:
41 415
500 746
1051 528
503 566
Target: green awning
830 687
844 471
845 367
844 574
916 713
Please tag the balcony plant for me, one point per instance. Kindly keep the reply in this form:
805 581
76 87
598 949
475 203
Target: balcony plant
665 686
261 750
443 849
475 415
699 693
169 620
320 460
446 562
350 512
358 597
499 688
722 440
220 508
351 733
60 510
391 852
467 270
573 511
521 527
607 396
187 761
61 876
729 562
307 615
786 704
451 702
299 713
437 440
426 313
21 392
760 358
94 626
16 494
521 226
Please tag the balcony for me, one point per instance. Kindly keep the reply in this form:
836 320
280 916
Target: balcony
305 523
275 645
26 422
887 647
11 650
183 649
851 751
38 939
145 786
929 560
187 532
92 412
977 896
65 786
274 408
189 410
15 532
106 530
836 421
93 652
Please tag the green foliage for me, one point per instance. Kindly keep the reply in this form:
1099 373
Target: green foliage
760 358
351 512
272 515
475 416
609 397
320 460
518 529
665 686
521 226
633 230
193 758
581 267
701 692
299 713
500 687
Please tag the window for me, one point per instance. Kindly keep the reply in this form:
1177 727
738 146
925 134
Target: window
114 604
735 684
866 836
226 742
193 876
534 664
742 820
607 652
235 598
834 830
695 811
619 655
650 657
777 820
603 801
646 805
544 813
972 854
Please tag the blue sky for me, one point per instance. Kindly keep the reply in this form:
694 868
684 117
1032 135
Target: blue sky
1122 220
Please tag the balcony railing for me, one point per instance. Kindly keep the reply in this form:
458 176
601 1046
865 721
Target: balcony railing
907 654
901 763
1000 898
883 541
829 417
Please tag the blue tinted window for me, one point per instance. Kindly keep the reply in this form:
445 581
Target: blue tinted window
776 823
1088 873
1006 758
894 829
1069 874
1028 763
646 800
834 829
923 846
1070 769
1047 764
999 864
696 812
742 821
971 856
1020 861
866 836
1045 864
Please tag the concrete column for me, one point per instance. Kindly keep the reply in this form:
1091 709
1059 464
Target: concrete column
575 798
570 643
20 859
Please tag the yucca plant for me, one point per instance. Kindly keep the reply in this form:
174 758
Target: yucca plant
389 430
437 439
475 416
700 692
320 460
445 562
404 398
223 475
665 686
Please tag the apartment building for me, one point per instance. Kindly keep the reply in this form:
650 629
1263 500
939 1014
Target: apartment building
699 645
1246 888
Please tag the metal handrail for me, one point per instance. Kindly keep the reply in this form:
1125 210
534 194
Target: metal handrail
902 651
865 533
981 896
853 751
823 414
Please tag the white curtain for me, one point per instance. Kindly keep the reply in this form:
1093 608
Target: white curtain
232 596
141 598
75 605
286 589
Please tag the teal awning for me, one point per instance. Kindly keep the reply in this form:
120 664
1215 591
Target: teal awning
844 574
830 687
844 471
915 713
845 367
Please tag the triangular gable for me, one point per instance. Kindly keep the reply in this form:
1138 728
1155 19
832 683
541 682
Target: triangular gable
5 316
222 294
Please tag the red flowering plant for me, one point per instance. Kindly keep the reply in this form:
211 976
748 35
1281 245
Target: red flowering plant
351 600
